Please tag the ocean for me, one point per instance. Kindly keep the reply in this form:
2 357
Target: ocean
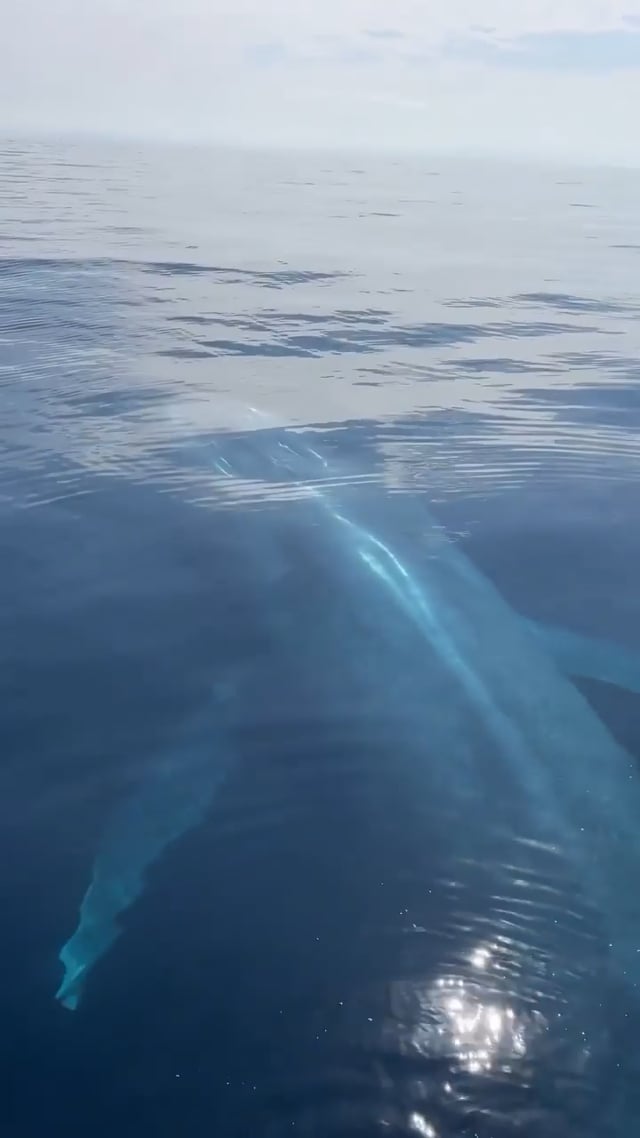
240 393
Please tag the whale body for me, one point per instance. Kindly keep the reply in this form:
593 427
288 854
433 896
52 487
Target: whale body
530 806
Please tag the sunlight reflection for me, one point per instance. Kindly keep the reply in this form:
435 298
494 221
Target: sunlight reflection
478 1028
419 1124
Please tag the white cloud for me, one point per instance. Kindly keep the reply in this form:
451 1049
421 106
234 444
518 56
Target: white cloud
313 72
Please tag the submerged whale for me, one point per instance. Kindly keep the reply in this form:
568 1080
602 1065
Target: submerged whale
529 804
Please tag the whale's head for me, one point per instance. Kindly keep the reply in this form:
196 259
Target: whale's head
268 456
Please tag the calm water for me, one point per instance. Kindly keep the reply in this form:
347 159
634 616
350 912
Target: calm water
464 343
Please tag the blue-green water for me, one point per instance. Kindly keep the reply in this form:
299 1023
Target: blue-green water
328 947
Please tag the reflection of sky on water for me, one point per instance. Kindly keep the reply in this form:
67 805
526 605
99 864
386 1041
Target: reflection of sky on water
479 418
531 369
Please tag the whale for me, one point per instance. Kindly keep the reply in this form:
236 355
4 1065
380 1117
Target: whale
527 803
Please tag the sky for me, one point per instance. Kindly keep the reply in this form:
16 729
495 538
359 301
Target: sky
544 78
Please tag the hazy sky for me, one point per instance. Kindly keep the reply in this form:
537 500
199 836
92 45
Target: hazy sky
554 77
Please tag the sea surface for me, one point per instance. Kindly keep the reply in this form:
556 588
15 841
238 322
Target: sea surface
454 342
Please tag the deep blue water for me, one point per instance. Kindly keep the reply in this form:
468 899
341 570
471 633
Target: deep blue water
462 344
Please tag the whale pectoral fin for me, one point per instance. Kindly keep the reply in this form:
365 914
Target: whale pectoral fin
171 801
590 657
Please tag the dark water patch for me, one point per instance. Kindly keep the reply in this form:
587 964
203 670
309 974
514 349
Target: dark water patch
234 348
601 363
551 301
566 303
23 266
503 365
474 302
6 238
127 230
365 338
276 278
185 353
